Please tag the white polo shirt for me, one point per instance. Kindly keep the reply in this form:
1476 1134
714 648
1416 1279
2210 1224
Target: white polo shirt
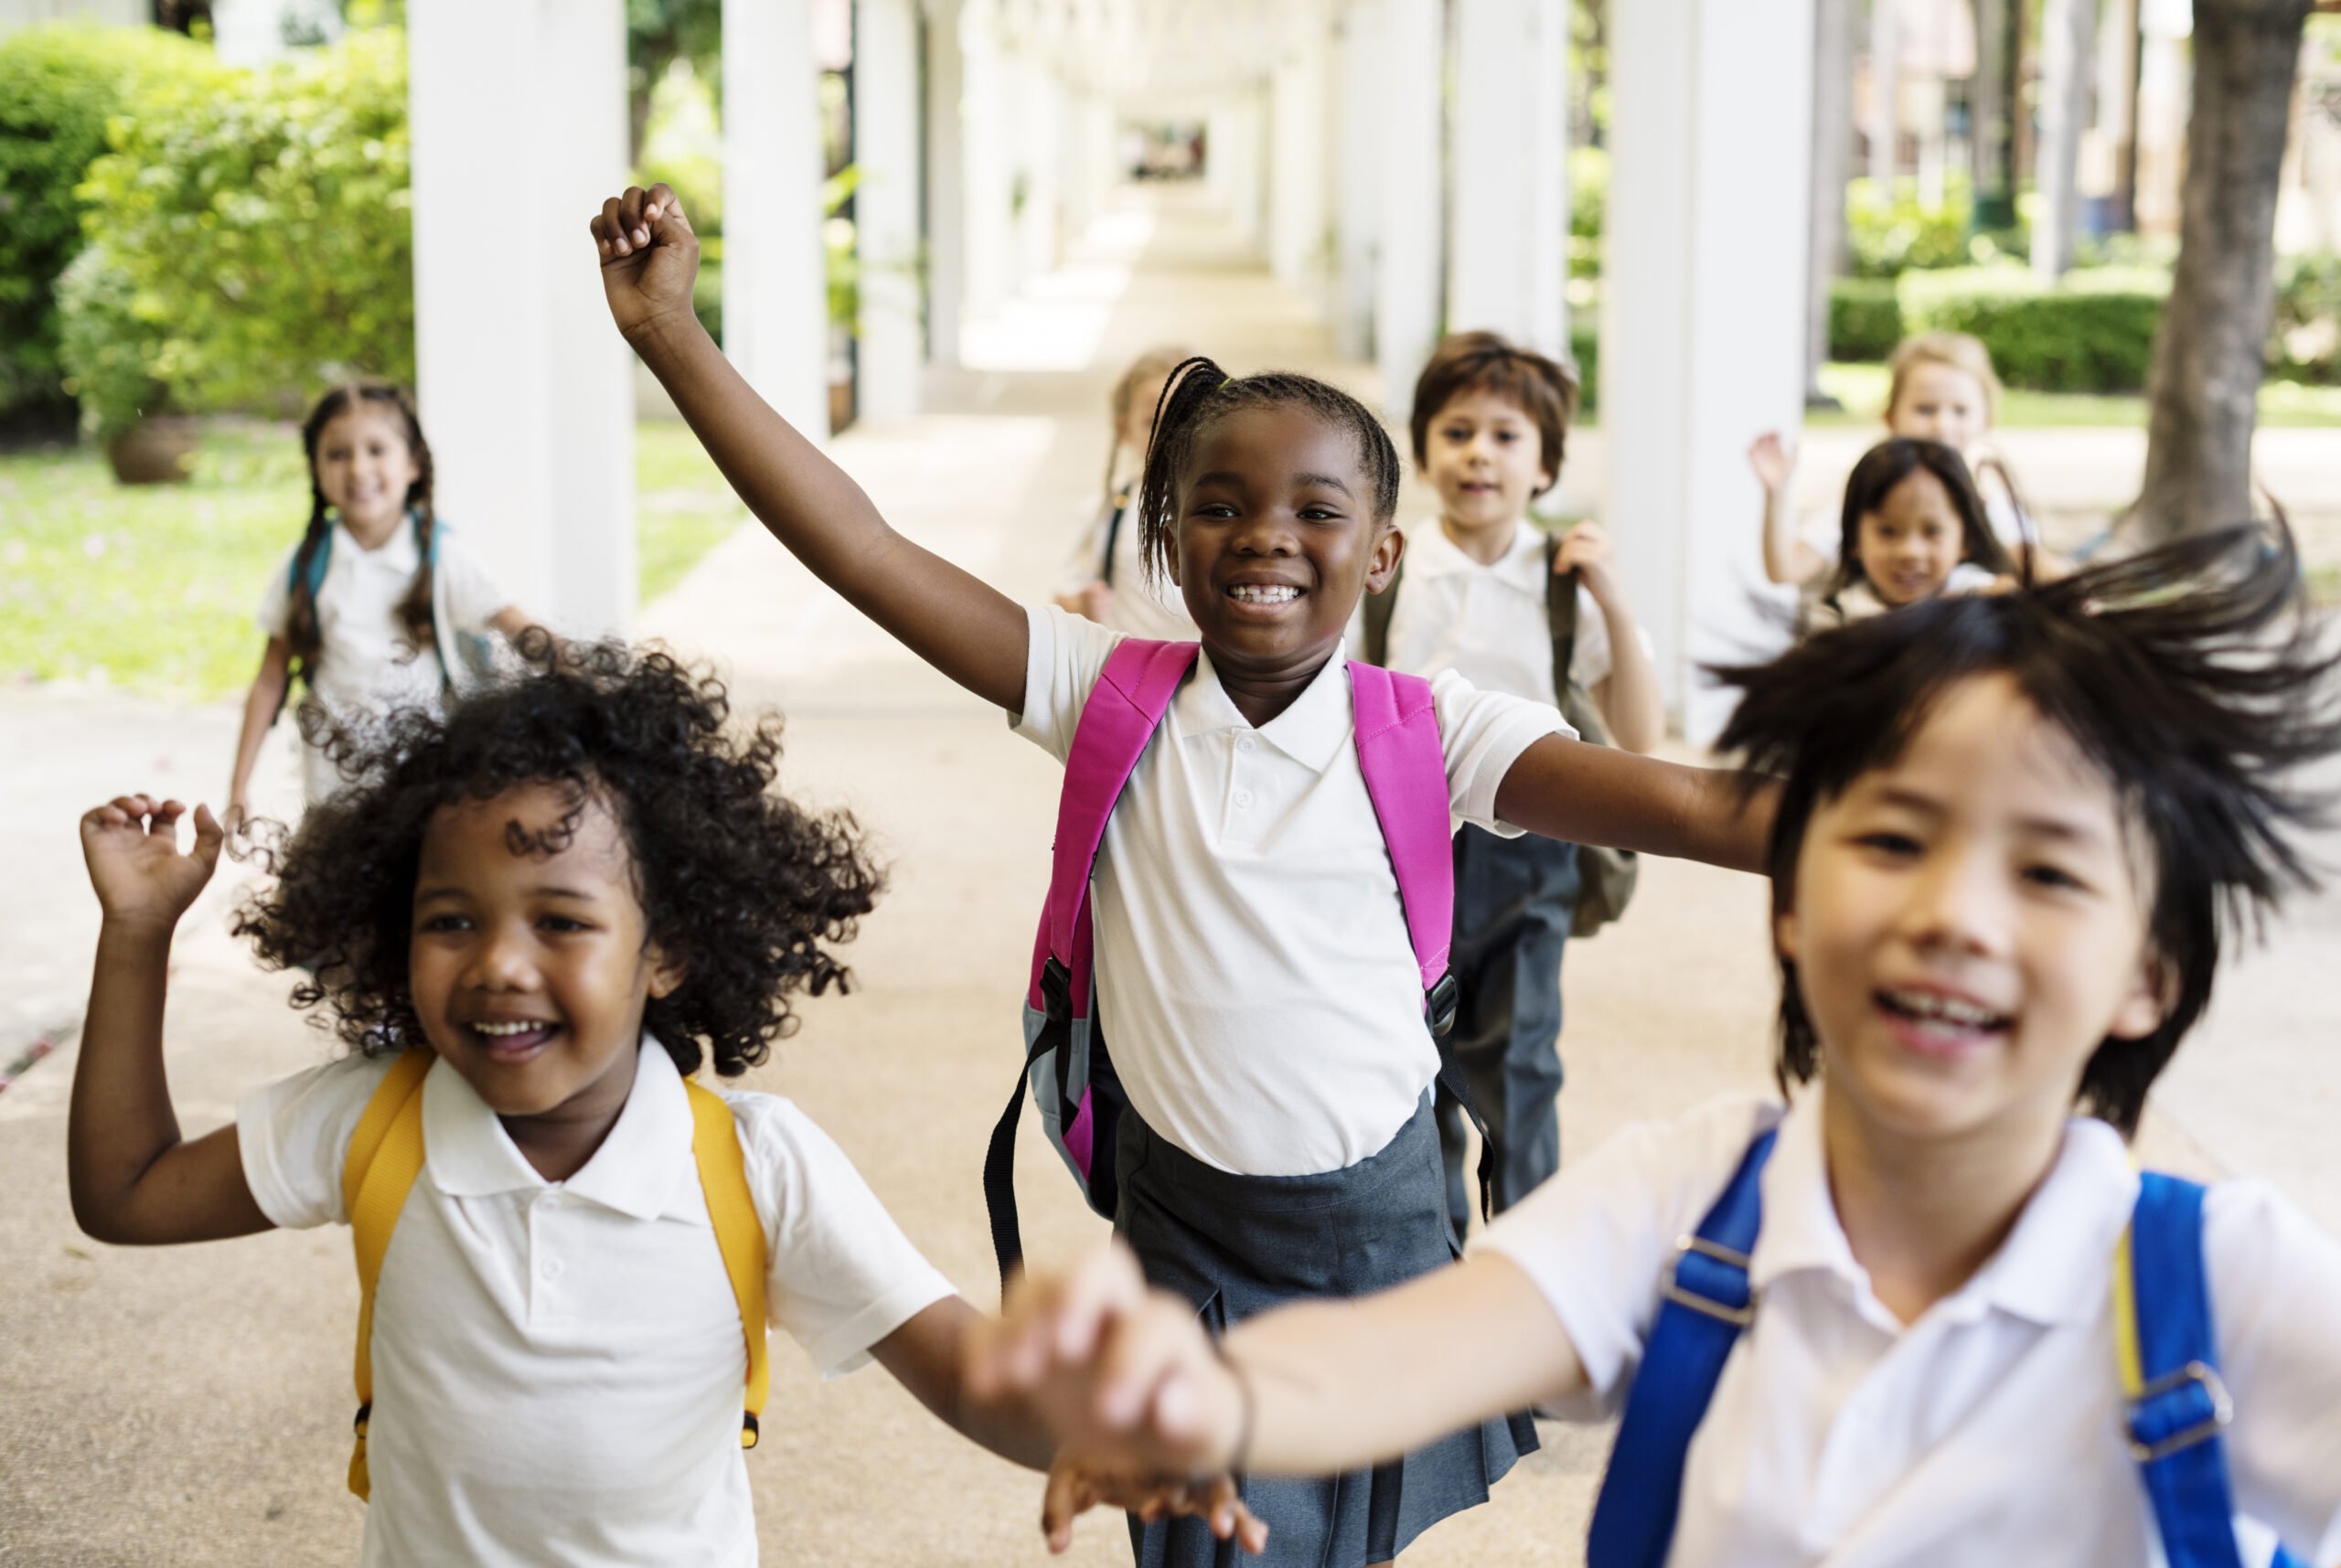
1989 1432
1859 601
369 665
557 1366
1487 621
1259 996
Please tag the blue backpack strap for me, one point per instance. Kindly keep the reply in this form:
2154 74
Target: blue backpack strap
1118 719
2169 1357
314 579
1708 1300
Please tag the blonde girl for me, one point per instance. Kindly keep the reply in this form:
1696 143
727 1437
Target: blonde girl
1104 576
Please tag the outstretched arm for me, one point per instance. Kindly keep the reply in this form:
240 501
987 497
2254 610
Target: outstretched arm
1598 795
959 624
1127 1375
133 1180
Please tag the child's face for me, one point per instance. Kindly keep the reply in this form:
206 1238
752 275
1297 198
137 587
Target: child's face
1969 925
1278 540
530 972
1908 545
1485 457
364 468
1940 402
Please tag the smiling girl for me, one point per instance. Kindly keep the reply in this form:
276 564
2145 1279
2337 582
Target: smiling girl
1913 527
1256 974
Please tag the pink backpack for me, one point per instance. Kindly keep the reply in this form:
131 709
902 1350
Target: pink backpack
1065 1062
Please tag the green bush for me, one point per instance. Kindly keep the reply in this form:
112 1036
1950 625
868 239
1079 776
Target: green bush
1891 231
2306 345
1865 318
260 219
1585 348
2093 333
59 84
1589 199
110 343
707 289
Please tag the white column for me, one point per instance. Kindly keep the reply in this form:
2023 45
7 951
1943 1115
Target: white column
1245 171
1884 98
1408 288
885 204
988 178
1357 151
524 387
1040 122
947 225
1298 170
1702 320
2068 27
1508 246
776 299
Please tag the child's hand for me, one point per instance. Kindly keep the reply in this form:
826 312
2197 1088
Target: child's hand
1076 1487
1587 550
649 257
1773 460
1123 1375
132 846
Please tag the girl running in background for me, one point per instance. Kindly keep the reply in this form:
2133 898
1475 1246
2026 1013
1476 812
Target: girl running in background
1255 969
1105 576
1937 1315
374 606
1913 527
532 920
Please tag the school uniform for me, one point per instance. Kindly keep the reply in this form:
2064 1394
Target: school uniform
1514 898
1988 1432
1110 550
557 1366
368 666
1265 1013
1859 601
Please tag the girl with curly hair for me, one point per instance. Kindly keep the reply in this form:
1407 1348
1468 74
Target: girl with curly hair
550 904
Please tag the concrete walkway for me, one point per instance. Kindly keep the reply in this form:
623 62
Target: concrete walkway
190 1406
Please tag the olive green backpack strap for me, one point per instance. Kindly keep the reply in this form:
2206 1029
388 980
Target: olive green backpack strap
1605 876
1378 610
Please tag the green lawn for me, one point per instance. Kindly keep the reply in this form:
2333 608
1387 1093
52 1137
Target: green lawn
153 589
1862 389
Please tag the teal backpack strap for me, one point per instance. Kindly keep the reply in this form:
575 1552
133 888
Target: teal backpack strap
1708 1300
2178 1407
314 579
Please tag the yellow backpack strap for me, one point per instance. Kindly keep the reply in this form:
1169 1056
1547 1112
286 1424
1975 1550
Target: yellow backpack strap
739 1235
385 1156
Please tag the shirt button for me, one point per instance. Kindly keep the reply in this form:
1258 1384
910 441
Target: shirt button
1244 743
549 1268
1243 798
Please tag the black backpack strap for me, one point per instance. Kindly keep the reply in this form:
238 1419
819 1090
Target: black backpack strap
1113 535
1560 613
1378 610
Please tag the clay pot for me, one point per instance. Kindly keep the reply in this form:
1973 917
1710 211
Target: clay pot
155 451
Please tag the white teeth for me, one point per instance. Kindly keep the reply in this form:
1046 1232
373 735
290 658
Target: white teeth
509 1029
1264 593
1947 1009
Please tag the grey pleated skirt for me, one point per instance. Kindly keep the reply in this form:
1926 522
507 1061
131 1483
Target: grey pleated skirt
1238 1245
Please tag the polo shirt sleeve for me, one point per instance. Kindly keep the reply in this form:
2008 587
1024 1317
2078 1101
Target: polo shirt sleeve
2275 1278
275 610
1596 1239
472 594
842 1275
1483 734
1064 656
293 1135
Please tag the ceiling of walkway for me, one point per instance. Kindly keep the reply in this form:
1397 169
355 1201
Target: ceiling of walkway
1158 48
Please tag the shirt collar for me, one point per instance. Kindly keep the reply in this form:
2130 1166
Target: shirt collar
1311 731
397 553
637 1171
2052 1269
1431 554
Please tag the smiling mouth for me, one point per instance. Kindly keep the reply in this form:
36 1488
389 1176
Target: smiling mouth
1935 1024
1264 592
512 1039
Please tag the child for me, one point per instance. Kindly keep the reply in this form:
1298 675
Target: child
2015 832
1256 979
371 609
571 889
1490 424
1943 389
1104 576
1913 529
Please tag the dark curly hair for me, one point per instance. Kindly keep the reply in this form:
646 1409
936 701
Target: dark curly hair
2193 678
1198 396
747 889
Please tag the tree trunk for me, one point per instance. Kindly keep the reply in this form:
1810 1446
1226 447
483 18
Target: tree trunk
2068 34
2202 394
1833 137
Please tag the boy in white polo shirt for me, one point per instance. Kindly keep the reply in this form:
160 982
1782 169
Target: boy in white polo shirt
1484 591
1946 1321
531 918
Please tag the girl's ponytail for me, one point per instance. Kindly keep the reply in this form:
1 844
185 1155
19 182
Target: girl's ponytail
1190 390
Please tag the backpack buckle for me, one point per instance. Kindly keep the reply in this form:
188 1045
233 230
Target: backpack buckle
1440 1005
2177 1411
1056 989
1717 1286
